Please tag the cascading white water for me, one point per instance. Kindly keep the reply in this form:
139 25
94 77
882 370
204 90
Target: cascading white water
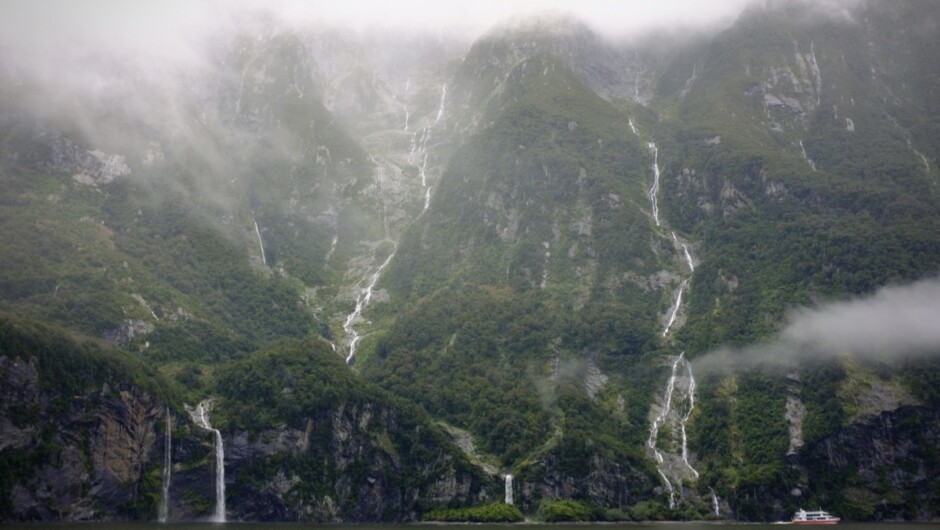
660 420
365 295
379 180
329 254
685 419
654 189
440 110
167 466
715 503
661 464
674 310
812 164
419 147
924 159
672 491
814 66
632 126
260 241
685 251
508 482
200 416
417 155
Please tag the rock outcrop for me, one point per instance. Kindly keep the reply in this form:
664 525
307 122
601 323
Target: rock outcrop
348 464
79 457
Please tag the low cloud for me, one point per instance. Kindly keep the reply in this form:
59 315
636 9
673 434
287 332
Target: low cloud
897 322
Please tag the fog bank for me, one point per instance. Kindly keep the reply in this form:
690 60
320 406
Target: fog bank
897 322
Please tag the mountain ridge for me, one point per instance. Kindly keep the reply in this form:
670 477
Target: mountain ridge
533 240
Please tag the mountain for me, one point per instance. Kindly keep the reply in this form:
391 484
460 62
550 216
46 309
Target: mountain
385 277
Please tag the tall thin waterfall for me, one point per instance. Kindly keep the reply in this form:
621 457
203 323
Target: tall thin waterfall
812 164
654 189
674 310
685 252
440 110
508 479
362 300
167 467
260 241
200 416
680 392
685 419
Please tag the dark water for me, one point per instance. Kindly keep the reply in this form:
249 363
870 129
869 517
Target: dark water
435 526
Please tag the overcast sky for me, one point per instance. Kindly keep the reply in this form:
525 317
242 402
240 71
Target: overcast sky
165 26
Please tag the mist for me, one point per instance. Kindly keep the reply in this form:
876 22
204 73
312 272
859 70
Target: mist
168 28
895 323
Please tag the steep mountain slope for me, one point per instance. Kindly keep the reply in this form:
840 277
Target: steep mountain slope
793 169
84 436
535 264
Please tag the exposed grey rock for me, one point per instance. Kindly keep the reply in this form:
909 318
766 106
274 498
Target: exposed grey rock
594 380
129 329
795 412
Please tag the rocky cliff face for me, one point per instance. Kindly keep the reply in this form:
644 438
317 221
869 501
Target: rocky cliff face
604 483
90 459
880 467
345 464
100 458
876 468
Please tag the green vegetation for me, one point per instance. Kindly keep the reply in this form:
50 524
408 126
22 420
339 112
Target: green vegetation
73 375
69 365
556 511
491 513
526 305
356 430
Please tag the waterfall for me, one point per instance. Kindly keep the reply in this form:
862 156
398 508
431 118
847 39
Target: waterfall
688 257
219 516
715 502
924 159
654 189
812 165
200 416
632 127
440 111
365 295
417 155
685 251
508 479
814 66
672 492
167 466
674 310
329 254
685 419
260 242
662 466
661 419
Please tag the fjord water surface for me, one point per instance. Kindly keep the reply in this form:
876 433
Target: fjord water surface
694 525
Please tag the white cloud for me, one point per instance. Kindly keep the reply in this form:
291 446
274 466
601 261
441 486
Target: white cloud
167 27
894 323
